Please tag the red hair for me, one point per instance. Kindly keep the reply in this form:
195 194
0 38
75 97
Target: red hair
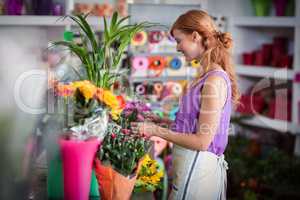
217 44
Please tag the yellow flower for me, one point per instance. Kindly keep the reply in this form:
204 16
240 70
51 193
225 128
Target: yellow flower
146 159
151 174
108 98
87 89
115 113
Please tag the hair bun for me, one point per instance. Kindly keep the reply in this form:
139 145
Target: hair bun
226 39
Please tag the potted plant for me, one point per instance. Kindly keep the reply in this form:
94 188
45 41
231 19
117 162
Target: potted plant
121 153
89 102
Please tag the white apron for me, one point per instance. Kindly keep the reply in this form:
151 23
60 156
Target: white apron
198 175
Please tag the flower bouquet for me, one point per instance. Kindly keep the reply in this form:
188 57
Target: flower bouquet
134 111
121 153
149 176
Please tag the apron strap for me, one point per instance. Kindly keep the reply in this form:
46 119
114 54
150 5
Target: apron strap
224 166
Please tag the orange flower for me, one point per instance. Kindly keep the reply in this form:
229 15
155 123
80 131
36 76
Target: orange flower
122 102
64 90
99 94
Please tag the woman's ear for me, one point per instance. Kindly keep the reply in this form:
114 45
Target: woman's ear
196 36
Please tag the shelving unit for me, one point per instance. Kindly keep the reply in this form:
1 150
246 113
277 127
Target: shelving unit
46 21
265 21
274 124
265 72
28 20
161 78
167 12
249 32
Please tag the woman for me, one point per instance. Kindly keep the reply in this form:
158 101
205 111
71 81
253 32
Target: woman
200 130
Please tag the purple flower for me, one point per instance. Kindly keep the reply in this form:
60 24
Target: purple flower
140 118
140 106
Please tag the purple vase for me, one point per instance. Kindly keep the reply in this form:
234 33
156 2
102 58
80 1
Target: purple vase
57 9
13 7
280 7
42 7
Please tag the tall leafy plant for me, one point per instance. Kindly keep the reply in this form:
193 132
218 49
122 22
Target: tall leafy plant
101 58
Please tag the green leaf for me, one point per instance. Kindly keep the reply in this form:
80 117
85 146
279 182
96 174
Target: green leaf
113 22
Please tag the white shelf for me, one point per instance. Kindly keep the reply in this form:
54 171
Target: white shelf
265 21
30 20
161 78
265 71
274 124
157 54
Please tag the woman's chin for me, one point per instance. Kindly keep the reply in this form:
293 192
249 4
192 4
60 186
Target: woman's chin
188 59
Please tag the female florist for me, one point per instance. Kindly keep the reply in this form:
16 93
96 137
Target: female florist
149 100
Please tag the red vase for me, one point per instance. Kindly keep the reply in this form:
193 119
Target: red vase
259 58
248 58
267 53
77 158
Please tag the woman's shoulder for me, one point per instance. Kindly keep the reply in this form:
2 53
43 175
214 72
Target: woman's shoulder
216 74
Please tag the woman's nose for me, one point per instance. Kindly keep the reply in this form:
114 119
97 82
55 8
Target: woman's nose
178 48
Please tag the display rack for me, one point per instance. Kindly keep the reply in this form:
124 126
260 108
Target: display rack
250 31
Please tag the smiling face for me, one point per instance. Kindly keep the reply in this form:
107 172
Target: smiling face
189 44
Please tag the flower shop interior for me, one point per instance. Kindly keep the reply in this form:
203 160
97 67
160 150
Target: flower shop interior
75 73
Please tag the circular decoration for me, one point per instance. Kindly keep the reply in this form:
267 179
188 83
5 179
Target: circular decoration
140 63
158 88
177 89
175 63
155 37
158 112
140 89
157 63
172 113
139 39
195 63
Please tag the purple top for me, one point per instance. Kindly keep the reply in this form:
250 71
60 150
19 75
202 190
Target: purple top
188 114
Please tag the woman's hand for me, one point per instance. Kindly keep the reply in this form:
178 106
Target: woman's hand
147 129
151 117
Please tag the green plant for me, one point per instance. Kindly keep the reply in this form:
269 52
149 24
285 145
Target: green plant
100 58
267 176
150 176
122 150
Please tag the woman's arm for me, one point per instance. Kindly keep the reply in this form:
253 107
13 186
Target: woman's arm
157 119
213 98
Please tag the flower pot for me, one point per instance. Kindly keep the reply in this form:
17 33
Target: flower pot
261 7
142 195
55 176
13 7
42 7
77 158
113 185
267 53
55 186
248 58
280 7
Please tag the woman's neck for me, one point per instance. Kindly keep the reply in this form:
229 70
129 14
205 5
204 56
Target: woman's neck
202 72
